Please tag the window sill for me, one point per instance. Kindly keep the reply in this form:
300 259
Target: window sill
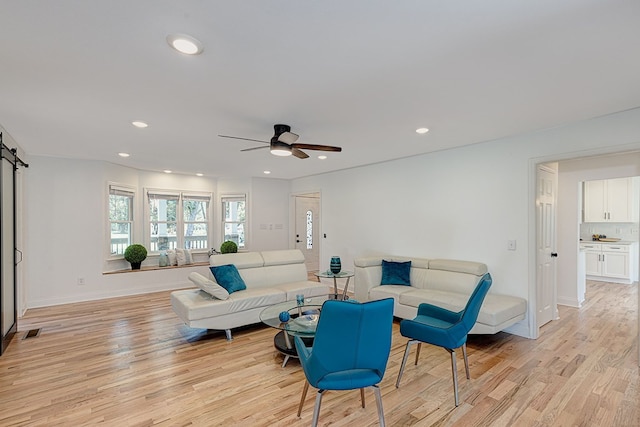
157 267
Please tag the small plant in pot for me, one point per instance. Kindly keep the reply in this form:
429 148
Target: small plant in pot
135 254
229 247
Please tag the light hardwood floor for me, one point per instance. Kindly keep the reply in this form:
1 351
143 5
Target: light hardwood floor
130 362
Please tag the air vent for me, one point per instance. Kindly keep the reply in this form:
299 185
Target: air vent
32 333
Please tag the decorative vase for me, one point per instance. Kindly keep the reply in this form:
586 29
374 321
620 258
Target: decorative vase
163 260
335 266
284 316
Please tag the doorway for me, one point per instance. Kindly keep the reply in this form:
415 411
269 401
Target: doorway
572 171
307 228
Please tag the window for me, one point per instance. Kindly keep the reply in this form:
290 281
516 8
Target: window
178 220
120 218
309 230
234 219
196 221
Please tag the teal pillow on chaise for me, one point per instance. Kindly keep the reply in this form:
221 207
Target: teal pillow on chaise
228 277
395 273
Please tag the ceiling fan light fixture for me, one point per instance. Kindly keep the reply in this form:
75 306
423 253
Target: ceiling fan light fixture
282 152
280 149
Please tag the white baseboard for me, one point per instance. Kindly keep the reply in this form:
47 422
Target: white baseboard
94 296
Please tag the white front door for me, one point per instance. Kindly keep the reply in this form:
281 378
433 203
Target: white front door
547 179
307 231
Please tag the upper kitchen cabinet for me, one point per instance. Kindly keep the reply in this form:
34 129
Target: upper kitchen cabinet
610 200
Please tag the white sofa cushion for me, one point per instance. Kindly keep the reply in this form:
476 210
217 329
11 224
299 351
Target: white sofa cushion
194 306
208 286
496 309
306 288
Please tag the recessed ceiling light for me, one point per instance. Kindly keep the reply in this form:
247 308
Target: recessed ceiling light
139 124
422 130
199 174
167 171
123 154
267 172
185 44
322 157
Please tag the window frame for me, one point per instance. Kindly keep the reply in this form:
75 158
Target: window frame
237 197
126 190
180 222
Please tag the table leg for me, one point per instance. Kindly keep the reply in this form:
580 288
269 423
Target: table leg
344 291
335 288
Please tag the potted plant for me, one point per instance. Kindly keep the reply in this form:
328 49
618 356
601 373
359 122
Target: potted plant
135 254
228 247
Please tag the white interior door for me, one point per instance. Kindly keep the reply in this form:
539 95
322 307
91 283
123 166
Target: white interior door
307 233
547 182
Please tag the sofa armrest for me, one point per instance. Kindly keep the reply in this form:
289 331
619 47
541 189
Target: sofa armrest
365 278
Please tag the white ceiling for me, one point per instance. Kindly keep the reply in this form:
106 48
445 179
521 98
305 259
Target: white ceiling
360 74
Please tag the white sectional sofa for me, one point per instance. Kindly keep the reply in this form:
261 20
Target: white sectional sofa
270 277
441 282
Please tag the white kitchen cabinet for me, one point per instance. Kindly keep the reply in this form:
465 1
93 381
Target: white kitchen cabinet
610 262
593 255
609 200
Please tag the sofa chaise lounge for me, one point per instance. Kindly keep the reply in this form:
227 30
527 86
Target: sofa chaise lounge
442 282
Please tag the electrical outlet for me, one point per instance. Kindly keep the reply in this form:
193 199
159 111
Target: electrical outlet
81 281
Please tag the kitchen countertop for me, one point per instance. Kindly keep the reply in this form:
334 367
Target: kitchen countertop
620 242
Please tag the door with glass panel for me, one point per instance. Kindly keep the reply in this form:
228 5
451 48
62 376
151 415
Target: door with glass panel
307 228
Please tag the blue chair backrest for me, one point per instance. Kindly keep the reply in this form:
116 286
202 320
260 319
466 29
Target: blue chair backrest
354 335
472 309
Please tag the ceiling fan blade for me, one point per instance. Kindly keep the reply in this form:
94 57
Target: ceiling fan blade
254 148
288 137
243 139
317 147
299 153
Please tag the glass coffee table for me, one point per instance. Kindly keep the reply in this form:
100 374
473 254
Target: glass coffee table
302 323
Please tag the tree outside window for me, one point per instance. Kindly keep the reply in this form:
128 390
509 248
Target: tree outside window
120 218
169 230
234 219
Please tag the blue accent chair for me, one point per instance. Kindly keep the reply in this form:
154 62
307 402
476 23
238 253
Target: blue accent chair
350 350
444 328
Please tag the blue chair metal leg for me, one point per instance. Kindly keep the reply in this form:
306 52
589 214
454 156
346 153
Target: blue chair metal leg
404 359
376 391
304 395
455 374
466 361
316 408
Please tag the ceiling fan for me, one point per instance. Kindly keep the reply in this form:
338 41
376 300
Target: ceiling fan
283 143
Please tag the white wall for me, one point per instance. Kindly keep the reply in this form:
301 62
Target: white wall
66 220
269 214
464 203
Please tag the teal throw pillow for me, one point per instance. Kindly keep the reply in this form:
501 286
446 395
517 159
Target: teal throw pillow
228 277
395 273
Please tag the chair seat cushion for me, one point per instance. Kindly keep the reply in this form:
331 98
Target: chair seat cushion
433 331
349 380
